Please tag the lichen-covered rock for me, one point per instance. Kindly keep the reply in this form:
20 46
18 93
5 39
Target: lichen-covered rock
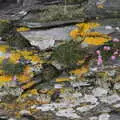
103 9
9 92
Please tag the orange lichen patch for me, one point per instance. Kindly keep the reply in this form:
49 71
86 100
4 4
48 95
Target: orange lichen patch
36 59
22 29
30 56
50 92
80 62
25 52
5 78
87 26
27 71
95 40
3 48
83 29
28 85
62 79
14 57
100 6
34 92
23 78
74 33
79 71
92 34
27 68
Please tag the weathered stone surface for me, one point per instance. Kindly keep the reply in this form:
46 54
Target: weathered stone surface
48 38
103 9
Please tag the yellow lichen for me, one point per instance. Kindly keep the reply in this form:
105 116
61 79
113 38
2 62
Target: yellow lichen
23 29
85 27
23 78
74 33
28 85
82 29
93 38
5 78
80 62
14 57
62 79
34 92
80 71
3 48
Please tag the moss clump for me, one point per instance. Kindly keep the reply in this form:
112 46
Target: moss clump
10 68
69 53
11 36
4 27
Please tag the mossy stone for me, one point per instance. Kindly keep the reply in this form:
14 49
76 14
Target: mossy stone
11 36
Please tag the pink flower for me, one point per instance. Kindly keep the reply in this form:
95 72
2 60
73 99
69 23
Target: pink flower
113 57
7 55
115 53
106 48
98 52
99 61
116 40
14 78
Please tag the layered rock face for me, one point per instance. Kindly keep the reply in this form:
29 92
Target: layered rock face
103 8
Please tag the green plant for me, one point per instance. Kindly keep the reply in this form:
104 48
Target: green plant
69 53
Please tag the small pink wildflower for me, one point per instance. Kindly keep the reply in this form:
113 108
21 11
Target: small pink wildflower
107 48
99 61
113 57
98 52
116 40
14 78
7 55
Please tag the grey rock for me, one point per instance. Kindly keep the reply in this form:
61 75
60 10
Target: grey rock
9 92
117 86
104 30
104 116
99 92
110 9
48 38
110 99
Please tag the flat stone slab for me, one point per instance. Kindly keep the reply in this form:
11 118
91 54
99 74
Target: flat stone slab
47 38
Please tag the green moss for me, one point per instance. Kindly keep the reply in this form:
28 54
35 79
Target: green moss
4 27
10 68
58 13
69 53
11 36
